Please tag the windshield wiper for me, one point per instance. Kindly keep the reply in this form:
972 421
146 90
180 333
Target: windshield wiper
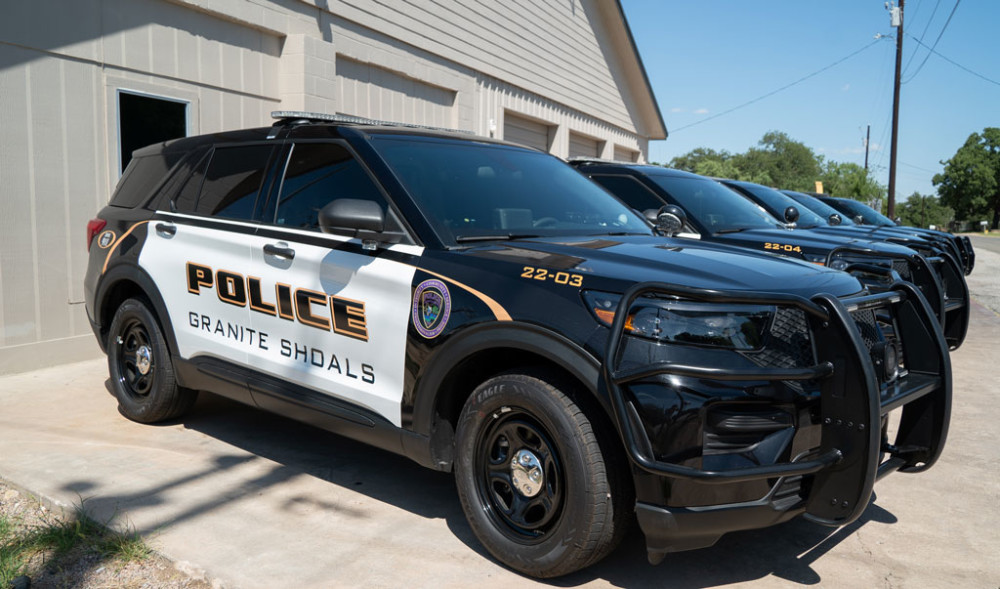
498 237
732 230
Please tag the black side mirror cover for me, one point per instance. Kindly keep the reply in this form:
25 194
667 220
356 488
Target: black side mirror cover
834 219
352 217
791 215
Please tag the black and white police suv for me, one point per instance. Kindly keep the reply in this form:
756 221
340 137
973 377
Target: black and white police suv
483 308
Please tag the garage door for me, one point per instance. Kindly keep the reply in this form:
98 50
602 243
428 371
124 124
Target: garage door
583 146
526 132
624 154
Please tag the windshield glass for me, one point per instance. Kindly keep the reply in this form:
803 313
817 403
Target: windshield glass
476 191
778 202
870 215
819 207
713 206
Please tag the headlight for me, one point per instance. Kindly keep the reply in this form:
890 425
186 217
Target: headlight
815 258
842 261
733 326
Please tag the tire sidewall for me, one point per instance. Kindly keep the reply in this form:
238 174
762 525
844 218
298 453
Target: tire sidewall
550 556
139 408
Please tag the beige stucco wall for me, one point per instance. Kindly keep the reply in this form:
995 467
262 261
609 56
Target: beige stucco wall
454 63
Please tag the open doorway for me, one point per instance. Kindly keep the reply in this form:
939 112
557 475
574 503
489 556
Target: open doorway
144 120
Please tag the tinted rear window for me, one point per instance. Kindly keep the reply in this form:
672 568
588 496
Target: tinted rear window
233 181
140 178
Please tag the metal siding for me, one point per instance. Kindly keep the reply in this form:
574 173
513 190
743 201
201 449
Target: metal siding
370 91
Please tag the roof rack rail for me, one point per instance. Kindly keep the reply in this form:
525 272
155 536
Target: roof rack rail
596 160
293 116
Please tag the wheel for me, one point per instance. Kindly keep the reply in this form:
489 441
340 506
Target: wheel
142 375
534 481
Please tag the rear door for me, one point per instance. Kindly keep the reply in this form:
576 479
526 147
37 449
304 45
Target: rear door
198 255
330 315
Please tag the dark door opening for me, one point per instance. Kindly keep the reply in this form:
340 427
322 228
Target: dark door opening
144 120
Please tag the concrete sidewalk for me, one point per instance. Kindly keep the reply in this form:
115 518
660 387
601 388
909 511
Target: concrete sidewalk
260 501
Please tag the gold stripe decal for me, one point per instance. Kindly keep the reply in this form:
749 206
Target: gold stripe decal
498 310
115 246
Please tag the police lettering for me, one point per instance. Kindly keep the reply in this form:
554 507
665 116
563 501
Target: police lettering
308 307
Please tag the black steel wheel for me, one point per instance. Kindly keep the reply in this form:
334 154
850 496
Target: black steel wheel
142 374
534 478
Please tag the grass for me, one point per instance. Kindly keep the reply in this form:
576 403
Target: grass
26 548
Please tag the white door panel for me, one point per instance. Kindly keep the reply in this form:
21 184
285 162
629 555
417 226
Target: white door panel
198 272
330 320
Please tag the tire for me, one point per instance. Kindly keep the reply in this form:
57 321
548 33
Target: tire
142 374
573 513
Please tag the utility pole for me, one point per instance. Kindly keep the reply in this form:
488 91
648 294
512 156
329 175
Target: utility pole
868 136
897 21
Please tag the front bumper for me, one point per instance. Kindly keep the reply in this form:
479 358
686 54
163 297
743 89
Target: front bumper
688 499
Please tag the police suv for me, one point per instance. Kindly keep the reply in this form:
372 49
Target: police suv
482 308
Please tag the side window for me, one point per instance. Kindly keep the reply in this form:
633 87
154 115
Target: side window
318 173
631 191
232 182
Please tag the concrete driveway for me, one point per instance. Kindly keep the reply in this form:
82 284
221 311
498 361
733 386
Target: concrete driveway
259 501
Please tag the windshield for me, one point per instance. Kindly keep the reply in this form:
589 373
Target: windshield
870 215
479 191
778 202
819 207
713 206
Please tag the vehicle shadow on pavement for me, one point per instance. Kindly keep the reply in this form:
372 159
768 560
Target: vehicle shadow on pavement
786 551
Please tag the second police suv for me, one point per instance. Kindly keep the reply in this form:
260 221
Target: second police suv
484 309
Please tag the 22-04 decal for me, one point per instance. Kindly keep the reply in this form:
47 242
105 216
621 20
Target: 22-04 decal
779 247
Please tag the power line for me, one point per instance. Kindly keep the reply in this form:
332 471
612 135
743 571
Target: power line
943 29
906 68
956 64
773 92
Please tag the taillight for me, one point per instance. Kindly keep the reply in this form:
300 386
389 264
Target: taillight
94 226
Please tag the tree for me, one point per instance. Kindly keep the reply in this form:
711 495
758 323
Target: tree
690 161
780 161
921 210
849 180
970 182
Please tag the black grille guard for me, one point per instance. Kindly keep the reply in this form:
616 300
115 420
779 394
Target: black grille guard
850 457
922 274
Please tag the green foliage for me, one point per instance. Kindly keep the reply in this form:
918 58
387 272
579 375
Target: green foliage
921 210
849 180
58 539
782 162
970 182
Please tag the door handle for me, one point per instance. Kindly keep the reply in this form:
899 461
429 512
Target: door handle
285 253
166 228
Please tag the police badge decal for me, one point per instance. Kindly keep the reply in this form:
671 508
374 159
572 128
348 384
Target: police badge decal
431 308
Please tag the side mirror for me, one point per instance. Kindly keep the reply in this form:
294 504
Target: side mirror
898 220
352 217
859 219
834 219
791 215
670 220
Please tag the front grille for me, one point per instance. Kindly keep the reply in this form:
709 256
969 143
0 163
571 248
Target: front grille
868 326
902 268
788 345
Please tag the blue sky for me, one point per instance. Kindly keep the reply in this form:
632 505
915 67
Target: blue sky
705 57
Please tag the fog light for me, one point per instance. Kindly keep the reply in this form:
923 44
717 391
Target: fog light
885 355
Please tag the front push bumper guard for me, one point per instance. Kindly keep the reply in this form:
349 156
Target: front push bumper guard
850 457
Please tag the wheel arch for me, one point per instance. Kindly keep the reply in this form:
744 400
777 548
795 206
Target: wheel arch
475 355
122 283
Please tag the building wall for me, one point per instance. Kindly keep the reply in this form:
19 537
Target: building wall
463 64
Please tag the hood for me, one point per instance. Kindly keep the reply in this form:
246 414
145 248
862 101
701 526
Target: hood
808 240
626 260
